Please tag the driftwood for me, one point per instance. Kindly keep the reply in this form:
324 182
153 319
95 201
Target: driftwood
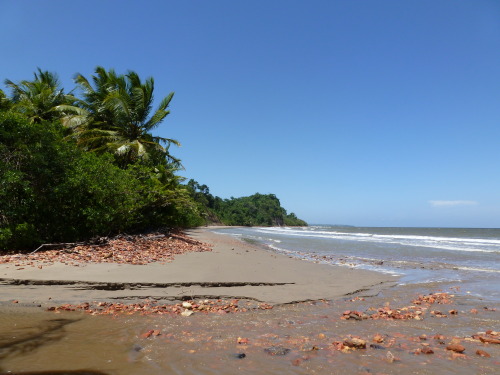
100 241
55 245
185 239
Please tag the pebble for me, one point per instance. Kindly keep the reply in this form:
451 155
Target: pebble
308 348
489 340
355 343
277 350
390 357
354 316
378 338
457 348
482 353
427 350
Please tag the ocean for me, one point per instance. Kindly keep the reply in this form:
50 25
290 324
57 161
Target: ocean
469 257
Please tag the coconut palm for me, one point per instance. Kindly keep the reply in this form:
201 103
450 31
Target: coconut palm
40 98
5 103
115 116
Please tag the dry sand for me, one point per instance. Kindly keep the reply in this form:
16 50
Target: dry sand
234 269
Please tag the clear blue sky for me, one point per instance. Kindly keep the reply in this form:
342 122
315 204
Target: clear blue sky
381 113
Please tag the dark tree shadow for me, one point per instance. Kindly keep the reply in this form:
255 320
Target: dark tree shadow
75 372
21 341
25 340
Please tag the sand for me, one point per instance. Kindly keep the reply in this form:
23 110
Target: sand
311 333
234 269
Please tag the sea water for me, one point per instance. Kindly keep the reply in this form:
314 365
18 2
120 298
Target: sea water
468 256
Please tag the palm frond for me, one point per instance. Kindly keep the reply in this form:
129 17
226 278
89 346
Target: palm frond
116 116
166 141
83 83
67 108
166 101
159 114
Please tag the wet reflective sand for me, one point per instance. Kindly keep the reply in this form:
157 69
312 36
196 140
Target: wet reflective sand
291 339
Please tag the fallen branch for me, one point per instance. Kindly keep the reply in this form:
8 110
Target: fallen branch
53 245
185 239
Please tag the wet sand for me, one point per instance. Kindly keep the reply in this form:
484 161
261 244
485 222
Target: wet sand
233 269
299 338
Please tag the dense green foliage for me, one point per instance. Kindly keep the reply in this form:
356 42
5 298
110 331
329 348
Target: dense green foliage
73 168
255 210
51 190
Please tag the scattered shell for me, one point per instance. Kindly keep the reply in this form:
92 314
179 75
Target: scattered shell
390 357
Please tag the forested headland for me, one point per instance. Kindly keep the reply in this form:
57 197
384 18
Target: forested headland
84 163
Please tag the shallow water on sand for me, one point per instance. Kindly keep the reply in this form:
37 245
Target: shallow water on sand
418 255
300 336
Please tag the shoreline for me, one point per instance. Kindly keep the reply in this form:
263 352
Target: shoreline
420 329
233 269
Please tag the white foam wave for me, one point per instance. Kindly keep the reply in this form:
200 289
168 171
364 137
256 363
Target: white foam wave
444 243
477 269
281 250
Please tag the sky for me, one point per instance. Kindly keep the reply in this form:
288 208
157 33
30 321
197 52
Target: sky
368 113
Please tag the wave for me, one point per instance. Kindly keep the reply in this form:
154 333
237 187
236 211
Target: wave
444 243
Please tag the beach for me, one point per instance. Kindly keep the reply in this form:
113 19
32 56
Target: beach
264 312
233 269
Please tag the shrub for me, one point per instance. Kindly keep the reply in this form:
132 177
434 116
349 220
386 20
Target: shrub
52 191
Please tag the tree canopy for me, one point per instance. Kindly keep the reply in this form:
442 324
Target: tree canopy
255 210
38 99
74 167
115 115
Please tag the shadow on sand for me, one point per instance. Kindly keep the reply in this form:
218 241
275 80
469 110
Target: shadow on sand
76 372
24 340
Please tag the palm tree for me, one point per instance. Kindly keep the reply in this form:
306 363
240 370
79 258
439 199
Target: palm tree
5 103
115 116
40 98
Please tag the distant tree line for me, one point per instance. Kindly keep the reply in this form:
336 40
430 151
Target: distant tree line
77 166
255 210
